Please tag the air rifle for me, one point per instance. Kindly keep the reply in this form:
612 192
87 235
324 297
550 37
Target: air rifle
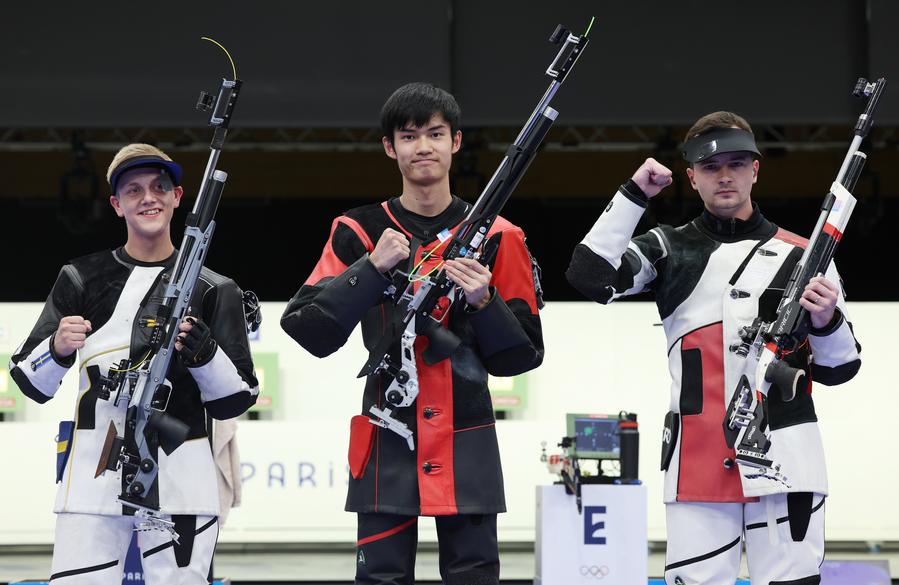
416 305
144 382
745 425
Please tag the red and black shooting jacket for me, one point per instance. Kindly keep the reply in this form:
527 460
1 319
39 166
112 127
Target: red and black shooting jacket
455 467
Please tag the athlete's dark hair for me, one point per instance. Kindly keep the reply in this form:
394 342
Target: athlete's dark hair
417 103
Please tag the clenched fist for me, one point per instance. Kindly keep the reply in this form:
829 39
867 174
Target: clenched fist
392 247
70 335
652 177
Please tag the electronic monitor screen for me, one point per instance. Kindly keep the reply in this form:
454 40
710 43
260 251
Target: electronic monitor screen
595 436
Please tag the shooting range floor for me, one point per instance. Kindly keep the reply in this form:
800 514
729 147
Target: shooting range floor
246 565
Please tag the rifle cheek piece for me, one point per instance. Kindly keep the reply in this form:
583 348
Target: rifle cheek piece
721 140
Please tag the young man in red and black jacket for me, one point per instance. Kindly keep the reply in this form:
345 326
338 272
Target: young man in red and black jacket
454 471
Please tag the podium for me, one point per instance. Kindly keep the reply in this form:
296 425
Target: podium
604 544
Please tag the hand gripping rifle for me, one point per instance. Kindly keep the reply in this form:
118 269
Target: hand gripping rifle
745 423
422 310
145 381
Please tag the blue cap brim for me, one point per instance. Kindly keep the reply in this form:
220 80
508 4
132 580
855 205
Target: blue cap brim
172 169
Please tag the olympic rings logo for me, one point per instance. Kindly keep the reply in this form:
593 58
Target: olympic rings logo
597 572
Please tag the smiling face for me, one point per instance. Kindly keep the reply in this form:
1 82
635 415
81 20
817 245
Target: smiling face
146 198
724 183
424 153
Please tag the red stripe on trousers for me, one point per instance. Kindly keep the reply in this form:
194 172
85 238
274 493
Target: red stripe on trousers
386 533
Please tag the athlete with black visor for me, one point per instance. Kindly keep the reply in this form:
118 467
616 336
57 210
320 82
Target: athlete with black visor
711 277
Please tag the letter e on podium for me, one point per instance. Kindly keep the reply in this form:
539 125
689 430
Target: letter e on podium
604 544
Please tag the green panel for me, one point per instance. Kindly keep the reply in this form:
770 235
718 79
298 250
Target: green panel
266 364
11 400
509 393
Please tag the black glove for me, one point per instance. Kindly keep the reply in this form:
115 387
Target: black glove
197 345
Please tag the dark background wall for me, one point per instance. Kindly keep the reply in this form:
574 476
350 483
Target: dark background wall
332 63
81 80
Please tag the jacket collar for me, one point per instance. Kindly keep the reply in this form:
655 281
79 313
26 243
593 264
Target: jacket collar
124 258
734 230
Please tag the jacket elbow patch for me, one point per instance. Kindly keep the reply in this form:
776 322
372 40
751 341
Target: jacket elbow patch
497 327
592 275
39 373
314 331
520 351
230 406
832 376
514 361
27 387
350 295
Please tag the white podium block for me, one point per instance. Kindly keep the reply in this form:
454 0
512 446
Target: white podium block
604 544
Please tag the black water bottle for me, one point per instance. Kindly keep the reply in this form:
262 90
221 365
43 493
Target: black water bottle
629 436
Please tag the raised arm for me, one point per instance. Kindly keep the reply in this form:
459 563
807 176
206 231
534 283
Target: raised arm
608 263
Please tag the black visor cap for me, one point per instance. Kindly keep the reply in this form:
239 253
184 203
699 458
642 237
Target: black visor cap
719 141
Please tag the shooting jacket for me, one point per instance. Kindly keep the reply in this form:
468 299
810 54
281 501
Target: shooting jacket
109 289
455 467
711 277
